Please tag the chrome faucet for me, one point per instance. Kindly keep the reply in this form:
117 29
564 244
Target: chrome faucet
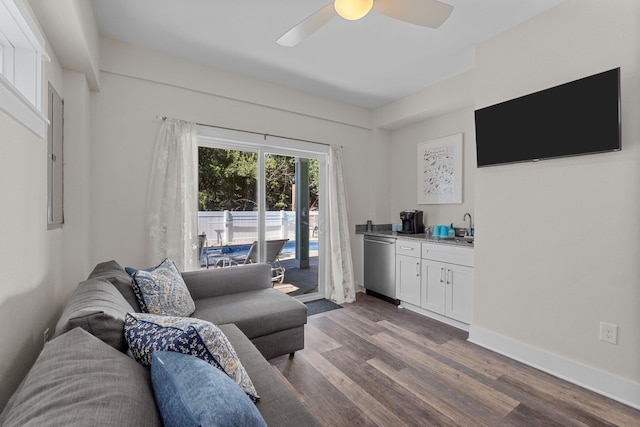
464 218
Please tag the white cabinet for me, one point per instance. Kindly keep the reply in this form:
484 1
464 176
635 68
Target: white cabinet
448 289
447 281
459 298
408 284
436 279
408 279
433 277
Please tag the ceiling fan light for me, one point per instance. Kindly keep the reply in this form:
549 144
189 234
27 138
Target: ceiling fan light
352 9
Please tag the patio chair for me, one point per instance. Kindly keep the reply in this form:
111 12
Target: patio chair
202 246
218 257
273 248
212 256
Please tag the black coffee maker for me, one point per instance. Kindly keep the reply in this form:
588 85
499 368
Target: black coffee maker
411 222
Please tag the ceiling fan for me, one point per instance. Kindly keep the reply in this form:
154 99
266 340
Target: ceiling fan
426 13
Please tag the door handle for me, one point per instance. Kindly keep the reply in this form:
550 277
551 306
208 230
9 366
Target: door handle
441 272
449 274
417 269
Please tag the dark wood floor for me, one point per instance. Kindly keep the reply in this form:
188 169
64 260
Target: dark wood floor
372 364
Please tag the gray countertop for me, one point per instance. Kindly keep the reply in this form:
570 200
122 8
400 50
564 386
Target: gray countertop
458 241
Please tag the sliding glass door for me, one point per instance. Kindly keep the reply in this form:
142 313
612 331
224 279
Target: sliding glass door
261 201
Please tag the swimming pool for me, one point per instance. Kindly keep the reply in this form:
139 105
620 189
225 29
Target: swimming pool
243 250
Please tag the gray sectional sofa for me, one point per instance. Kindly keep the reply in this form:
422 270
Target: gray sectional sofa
84 376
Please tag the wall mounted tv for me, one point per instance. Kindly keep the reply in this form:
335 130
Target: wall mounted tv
575 118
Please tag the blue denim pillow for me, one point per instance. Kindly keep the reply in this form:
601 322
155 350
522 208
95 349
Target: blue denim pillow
147 333
131 270
162 290
191 392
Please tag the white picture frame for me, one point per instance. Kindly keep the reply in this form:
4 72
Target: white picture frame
440 170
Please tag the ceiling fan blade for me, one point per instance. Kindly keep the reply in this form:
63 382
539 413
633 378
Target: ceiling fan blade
307 27
426 13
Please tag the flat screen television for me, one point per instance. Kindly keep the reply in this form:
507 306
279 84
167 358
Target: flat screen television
575 118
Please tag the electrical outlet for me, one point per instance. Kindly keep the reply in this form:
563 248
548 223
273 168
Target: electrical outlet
608 333
46 335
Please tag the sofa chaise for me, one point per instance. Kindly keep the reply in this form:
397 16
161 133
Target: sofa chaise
84 375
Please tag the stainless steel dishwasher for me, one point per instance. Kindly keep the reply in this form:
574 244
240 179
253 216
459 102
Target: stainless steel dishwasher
380 267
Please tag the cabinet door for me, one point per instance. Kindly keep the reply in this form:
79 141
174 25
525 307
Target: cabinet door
459 293
433 286
408 279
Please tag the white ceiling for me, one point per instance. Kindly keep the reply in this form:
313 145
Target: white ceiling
368 63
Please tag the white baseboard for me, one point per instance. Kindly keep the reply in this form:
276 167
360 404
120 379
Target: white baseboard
603 383
444 319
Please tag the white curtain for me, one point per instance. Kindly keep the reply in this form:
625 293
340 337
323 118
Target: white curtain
172 200
342 281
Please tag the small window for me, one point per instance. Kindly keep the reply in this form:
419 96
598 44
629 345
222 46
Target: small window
55 169
22 52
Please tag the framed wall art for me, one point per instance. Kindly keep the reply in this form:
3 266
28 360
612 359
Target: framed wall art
440 170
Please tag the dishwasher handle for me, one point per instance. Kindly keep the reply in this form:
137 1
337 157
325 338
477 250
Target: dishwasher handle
381 242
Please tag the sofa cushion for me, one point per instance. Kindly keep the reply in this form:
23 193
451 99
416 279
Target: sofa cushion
191 392
163 291
279 404
99 308
78 380
207 283
256 313
113 272
146 333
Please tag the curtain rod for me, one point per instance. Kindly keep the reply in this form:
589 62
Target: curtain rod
265 135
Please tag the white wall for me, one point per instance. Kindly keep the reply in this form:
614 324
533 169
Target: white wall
30 256
557 247
139 84
445 97
404 166
77 194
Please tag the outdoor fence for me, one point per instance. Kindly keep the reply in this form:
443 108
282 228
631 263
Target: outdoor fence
236 227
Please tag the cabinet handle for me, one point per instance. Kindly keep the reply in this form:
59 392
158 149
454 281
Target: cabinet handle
441 272
449 273
406 248
417 269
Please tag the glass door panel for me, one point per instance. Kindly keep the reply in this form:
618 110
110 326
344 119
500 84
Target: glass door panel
228 220
291 201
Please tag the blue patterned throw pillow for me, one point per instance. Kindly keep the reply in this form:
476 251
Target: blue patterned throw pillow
162 290
146 333
191 392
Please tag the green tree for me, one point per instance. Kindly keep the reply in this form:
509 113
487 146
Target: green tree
227 180
314 195
279 174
